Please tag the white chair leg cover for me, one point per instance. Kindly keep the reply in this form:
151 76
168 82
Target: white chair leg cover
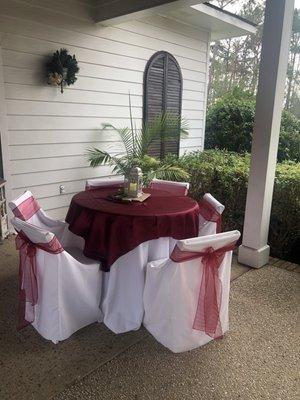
69 295
170 302
123 286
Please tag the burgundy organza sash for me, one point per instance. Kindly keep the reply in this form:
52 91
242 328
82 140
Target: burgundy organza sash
26 209
207 317
209 213
28 286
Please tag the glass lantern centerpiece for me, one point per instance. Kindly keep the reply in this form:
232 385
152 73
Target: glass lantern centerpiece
134 185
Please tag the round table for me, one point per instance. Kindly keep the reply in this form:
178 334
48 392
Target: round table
111 229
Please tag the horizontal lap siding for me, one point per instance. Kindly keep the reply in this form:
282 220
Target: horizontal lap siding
49 132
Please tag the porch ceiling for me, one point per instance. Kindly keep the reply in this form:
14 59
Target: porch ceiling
219 23
110 12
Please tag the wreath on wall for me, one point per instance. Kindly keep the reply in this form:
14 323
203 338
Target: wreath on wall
62 69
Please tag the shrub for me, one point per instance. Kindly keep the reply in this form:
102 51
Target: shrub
225 175
289 143
229 125
284 234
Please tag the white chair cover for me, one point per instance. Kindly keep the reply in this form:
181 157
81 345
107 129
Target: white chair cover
69 288
114 182
209 227
176 188
122 301
27 208
171 294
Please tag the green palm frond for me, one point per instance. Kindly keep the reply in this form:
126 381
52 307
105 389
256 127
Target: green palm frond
137 142
126 137
98 157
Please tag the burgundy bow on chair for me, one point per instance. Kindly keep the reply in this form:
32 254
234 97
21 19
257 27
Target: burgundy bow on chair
209 213
28 285
207 317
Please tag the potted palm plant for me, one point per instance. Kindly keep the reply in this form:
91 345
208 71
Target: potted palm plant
136 147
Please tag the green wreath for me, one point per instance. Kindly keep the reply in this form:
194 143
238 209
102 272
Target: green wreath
62 69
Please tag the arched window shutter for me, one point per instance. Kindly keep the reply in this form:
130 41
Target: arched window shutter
162 93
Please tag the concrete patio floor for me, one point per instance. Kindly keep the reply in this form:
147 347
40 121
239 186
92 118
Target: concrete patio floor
257 359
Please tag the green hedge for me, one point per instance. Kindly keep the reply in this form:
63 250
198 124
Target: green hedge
225 175
229 126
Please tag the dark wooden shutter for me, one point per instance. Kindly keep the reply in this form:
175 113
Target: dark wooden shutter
162 93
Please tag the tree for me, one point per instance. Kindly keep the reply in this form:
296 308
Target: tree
235 61
293 74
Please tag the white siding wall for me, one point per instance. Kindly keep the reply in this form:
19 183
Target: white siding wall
48 132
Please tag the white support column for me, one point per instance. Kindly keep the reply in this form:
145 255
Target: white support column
254 250
4 133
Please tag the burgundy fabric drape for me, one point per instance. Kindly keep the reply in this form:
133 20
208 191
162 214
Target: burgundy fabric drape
113 229
28 285
26 209
209 213
207 317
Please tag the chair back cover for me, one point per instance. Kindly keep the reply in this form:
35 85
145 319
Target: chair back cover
32 232
210 215
173 291
25 206
114 182
176 188
216 241
58 294
29 239
214 202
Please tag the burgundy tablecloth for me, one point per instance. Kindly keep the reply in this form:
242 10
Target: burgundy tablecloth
112 229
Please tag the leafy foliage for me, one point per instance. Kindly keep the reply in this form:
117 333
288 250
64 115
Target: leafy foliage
136 143
285 216
225 175
289 141
229 125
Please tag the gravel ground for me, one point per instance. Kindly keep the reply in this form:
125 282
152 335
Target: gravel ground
258 359
32 368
